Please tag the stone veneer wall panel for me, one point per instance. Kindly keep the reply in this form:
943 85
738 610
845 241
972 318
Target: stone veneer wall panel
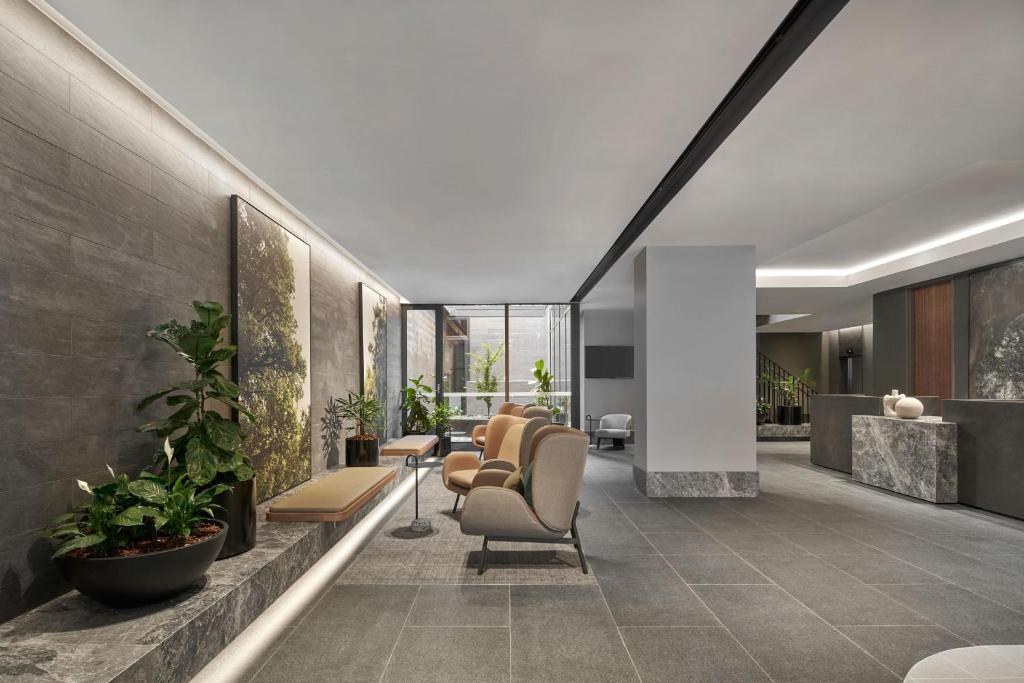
113 218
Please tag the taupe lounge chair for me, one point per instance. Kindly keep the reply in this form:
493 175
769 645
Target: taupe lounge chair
461 467
557 456
479 431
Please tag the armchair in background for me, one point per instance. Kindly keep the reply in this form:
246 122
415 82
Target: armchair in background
616 427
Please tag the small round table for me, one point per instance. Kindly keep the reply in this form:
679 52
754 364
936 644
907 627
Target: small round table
418 462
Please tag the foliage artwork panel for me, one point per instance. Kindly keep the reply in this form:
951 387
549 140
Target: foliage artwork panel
273 323
373 318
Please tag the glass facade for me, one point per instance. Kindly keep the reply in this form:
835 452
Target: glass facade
490 354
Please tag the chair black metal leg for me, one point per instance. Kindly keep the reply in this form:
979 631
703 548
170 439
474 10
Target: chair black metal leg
576 538
456 506
483 558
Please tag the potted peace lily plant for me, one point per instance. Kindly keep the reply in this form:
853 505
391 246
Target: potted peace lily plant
361 413
139 541
205 444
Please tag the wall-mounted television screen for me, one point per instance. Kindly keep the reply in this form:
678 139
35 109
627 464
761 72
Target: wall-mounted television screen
609 362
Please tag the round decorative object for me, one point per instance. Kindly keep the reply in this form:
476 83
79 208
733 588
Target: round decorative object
142 579
889 403
909 408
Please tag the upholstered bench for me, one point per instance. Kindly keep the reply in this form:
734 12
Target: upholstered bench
334 498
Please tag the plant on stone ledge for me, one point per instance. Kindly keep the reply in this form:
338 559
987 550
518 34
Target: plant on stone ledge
790 386
363 413
415 401
204 442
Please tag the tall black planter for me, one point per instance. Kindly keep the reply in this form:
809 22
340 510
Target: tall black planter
444 444
361 453
238 510
789 415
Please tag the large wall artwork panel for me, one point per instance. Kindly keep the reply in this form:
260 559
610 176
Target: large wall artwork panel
272 324
997 332
373 347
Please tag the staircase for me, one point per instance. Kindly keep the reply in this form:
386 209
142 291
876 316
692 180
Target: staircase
772 396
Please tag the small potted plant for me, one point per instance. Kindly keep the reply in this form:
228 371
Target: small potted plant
206 445
790 412
139 541
762 408
441 419
362 412
416 400
543 380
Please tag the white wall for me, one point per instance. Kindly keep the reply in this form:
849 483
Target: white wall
607 327
695 359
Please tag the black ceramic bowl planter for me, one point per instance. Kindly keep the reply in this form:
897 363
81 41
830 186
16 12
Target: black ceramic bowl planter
790 415
238 512
142 579
361 452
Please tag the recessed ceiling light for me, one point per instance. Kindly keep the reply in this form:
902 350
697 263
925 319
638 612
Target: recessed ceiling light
971 231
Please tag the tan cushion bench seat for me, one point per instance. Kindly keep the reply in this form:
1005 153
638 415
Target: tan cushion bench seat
334 498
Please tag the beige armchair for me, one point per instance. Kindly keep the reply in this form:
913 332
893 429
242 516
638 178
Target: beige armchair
479 434
555 460
538 411
502 450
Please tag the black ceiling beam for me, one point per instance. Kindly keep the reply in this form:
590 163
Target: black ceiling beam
805 21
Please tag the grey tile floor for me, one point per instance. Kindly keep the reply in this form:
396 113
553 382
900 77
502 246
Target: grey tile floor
818 579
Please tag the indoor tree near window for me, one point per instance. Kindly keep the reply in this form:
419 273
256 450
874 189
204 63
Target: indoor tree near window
483 368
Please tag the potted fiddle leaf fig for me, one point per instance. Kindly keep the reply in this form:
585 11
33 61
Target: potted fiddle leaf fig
415 403
139 541
543 381
206 445
362 414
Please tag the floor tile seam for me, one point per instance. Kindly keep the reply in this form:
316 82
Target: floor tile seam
291 631
886 553
891 505
806 607
706 606
509 592
890 555
398 637
421 626
618 631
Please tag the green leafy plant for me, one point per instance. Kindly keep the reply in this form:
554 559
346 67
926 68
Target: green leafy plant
415 402
762 407
790 386
543 381
441 416
482 366
153 511
363 413
203 441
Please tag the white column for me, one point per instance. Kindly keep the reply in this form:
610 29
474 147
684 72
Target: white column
695 366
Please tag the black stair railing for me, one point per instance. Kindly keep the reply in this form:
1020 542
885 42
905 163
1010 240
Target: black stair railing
769 373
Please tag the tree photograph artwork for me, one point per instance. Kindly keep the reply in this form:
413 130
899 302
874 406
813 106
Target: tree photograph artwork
272 329
373 316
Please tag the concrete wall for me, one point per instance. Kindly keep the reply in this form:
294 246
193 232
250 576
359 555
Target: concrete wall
604 396
113 218
695 360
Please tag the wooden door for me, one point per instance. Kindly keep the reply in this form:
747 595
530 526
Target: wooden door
932 332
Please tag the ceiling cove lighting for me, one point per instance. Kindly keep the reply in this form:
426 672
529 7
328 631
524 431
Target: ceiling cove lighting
970 231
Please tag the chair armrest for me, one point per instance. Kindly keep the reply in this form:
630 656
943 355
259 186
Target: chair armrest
458 461
490 477
478 431
495 511
498 465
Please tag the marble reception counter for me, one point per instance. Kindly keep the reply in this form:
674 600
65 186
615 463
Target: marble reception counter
914 457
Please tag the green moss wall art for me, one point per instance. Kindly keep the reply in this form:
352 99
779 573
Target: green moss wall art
373 338
272 329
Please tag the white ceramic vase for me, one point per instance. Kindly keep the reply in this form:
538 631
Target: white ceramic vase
889 403
909 408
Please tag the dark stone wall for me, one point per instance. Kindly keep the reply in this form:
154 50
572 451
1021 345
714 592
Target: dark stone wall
113 217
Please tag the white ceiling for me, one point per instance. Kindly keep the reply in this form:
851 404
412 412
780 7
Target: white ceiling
465 150
903 122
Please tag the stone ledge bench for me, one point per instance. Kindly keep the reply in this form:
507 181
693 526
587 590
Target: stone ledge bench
75 639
